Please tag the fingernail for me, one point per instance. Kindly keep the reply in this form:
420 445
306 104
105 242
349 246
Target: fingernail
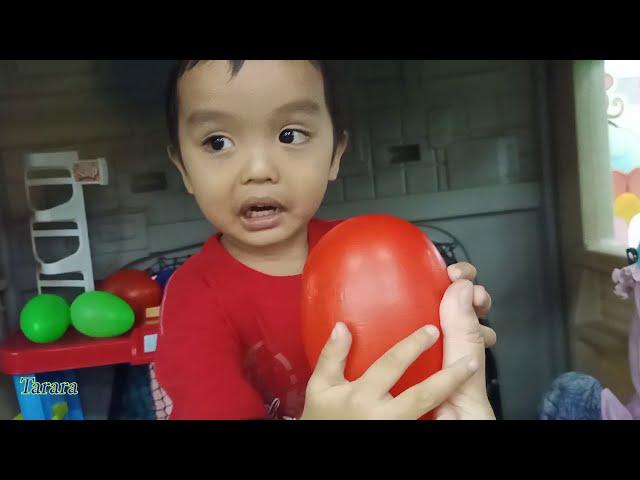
337 330
455 273
432 330
473 365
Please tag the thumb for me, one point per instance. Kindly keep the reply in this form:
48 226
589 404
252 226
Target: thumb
462 335
329 370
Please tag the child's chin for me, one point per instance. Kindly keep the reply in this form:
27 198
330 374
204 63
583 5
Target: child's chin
271 236
266 237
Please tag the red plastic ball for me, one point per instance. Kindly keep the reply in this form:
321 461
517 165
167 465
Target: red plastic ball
136 288
384 278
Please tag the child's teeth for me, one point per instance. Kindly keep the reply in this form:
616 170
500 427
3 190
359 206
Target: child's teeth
260 213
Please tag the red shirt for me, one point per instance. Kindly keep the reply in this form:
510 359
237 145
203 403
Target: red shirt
229 344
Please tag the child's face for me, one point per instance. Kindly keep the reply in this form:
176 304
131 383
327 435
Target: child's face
257 149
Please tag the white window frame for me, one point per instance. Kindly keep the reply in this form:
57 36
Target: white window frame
594 166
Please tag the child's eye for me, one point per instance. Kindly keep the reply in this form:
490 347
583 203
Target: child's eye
218 143
292 136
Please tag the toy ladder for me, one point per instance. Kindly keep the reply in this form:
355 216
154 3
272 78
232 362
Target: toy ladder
38 168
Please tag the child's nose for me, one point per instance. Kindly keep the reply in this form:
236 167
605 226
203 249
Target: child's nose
260 167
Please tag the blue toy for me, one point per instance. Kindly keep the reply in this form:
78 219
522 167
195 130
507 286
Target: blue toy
163 276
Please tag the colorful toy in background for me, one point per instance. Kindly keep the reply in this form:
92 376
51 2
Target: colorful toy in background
578 396
112 310
384 278
101 315
136 288
58 412
45 318
163 276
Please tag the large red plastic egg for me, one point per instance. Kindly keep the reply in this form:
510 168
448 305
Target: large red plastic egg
384 278
136 288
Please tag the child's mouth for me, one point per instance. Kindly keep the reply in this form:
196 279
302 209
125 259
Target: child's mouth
258 212
261 214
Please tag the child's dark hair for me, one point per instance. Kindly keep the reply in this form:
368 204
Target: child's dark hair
327 69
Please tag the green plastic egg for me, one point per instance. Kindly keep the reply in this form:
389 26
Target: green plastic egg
101 314
45 318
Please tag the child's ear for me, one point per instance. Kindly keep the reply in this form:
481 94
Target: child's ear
177 161
337 156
